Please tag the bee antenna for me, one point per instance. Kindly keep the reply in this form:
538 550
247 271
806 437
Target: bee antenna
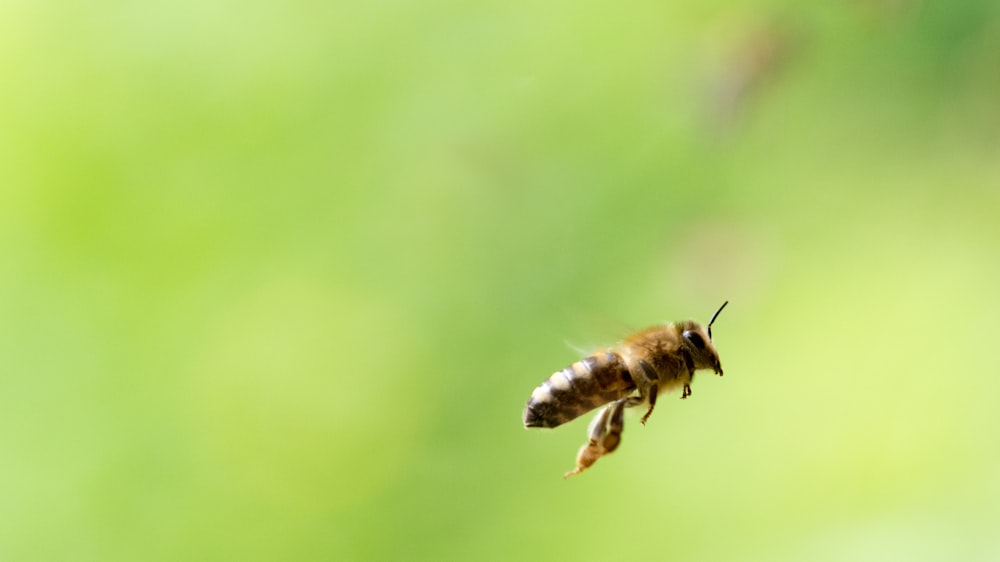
714 316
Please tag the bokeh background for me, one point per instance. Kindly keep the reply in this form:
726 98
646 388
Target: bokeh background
276 278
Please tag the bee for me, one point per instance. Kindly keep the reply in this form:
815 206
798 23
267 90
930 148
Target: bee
651 362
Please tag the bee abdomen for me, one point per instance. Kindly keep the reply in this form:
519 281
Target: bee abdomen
577 389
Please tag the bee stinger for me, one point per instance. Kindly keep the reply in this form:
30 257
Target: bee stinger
648 363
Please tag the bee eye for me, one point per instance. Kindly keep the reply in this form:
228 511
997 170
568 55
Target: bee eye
694 339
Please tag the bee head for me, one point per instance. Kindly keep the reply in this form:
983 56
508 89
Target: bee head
699 343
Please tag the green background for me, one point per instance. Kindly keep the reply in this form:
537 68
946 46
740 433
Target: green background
276 278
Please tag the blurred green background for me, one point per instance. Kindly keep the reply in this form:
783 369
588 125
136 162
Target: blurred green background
276 279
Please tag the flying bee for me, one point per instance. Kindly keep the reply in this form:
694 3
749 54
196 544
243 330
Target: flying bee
651 362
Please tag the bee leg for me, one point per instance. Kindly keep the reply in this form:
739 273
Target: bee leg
648 388
653 391
616 424
592 451
605 435
689 363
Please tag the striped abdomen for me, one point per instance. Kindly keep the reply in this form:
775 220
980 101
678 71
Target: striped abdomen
577 389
